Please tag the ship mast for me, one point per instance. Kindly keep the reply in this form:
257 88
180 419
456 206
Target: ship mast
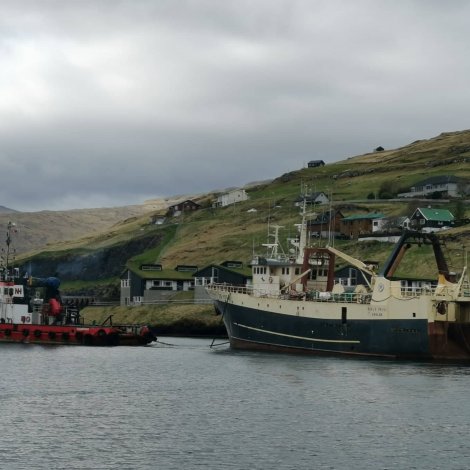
301 243
274 247
9 251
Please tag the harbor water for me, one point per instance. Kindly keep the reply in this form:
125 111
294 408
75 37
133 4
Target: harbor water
182 405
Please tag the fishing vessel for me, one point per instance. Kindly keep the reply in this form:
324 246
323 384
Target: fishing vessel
32 311
295 305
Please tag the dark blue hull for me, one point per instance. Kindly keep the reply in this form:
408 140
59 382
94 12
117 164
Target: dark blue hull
257 329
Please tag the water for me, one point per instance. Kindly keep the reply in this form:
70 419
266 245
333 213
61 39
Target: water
189 407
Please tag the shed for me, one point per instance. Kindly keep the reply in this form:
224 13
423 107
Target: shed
184 206
315 163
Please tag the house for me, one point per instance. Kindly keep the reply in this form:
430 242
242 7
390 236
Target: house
431 220
230 272
390 224
356 225
350 276
445 186
151 283
315 163
185 206
325 223
232 197
315 198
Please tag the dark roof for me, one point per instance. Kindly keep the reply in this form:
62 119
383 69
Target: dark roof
243 271
325 217
188 201
373 215
164 274
441 179
311 197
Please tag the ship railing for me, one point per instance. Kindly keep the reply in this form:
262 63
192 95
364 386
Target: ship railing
465 289
347 297
231 288
411 292
317 296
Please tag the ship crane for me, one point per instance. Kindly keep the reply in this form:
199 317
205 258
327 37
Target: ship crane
354 262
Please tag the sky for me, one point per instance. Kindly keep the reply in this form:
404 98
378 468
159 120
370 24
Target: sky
113 102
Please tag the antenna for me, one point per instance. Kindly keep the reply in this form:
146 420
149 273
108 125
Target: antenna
9 251
274 246
331 237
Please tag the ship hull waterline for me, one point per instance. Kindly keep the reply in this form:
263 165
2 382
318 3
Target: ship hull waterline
73 335
256 329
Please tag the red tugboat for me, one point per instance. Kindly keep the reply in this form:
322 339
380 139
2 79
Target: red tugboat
31 311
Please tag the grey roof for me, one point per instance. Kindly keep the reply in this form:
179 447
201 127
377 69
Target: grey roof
441 179
325 217
311 197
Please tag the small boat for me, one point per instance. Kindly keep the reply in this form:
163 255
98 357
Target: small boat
295 305
31 311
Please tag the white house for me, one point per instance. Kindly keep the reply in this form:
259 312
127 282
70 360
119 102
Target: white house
315 198
446 185
232 197
378 224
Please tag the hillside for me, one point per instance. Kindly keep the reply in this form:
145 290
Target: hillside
51 229
37 230
6 210
214 235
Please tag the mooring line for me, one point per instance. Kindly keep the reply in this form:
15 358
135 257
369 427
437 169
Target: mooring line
218 344
166 344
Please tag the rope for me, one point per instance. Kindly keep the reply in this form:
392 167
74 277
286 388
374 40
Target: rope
165 344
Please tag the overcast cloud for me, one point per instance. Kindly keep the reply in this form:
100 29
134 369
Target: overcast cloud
110 103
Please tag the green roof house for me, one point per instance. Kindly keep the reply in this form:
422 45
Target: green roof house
151 283
431 220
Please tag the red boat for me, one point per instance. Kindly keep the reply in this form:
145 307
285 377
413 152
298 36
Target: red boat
31 311
47 321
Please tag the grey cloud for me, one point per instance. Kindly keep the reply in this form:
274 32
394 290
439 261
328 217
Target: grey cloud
114 102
